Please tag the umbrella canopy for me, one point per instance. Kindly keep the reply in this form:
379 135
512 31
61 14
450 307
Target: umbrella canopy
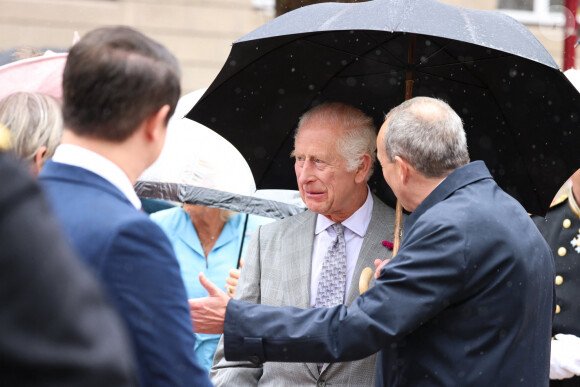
41 74
198 166
520 112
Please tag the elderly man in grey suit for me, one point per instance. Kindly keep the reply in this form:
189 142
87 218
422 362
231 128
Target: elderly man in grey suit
316 258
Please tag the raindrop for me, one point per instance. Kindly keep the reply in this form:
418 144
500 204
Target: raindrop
233 63
311 87
343 62
513 73
213 119
350 81
427 42
377 52
237 90
257 48
292 70
281 91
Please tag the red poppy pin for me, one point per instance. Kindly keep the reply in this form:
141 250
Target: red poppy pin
388 245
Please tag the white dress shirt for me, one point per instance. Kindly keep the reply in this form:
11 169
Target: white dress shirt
99 165
355 229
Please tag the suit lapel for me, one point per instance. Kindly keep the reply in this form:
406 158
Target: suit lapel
381 228
300 237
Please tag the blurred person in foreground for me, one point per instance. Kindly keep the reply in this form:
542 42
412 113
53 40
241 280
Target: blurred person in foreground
289 263
56 328
35 123
208 240
561 228
119 89
467 300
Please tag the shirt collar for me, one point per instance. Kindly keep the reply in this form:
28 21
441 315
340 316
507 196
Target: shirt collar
357 222
83 158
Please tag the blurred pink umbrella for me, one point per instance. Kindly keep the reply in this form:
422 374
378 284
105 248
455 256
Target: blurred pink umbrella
41 74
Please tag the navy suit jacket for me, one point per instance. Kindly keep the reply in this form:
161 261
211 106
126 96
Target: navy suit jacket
135 261
467 301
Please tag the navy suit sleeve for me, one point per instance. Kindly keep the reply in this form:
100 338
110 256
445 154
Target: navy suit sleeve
142 268
408 293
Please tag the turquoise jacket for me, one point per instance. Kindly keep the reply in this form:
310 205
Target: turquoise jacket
222 258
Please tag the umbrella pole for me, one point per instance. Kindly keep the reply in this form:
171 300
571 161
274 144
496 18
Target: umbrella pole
409 80
367 273
242 243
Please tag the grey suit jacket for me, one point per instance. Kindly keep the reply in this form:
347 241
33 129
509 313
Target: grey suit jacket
277 272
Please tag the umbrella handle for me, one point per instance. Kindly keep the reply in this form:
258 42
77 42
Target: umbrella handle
365 279
367 273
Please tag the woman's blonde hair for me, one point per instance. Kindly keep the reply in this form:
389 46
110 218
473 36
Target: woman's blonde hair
34 120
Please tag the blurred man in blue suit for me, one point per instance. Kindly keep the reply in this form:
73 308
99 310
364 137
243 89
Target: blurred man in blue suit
119 89
467 300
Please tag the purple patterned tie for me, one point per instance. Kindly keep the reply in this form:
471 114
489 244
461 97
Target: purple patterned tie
332 282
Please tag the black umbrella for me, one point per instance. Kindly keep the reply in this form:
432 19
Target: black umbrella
520 112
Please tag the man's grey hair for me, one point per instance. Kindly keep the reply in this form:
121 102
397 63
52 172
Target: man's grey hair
359 135
427 133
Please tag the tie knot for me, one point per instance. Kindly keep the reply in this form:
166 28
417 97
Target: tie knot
338 228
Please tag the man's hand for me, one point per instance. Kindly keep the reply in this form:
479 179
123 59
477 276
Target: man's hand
208 313
232 280
379 265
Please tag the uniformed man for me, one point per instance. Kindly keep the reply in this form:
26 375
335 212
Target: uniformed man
561 228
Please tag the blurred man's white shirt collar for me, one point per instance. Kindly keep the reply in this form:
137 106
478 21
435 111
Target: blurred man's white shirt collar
83 158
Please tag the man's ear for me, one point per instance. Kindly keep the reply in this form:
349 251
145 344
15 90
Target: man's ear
156 124
363 169
404 169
